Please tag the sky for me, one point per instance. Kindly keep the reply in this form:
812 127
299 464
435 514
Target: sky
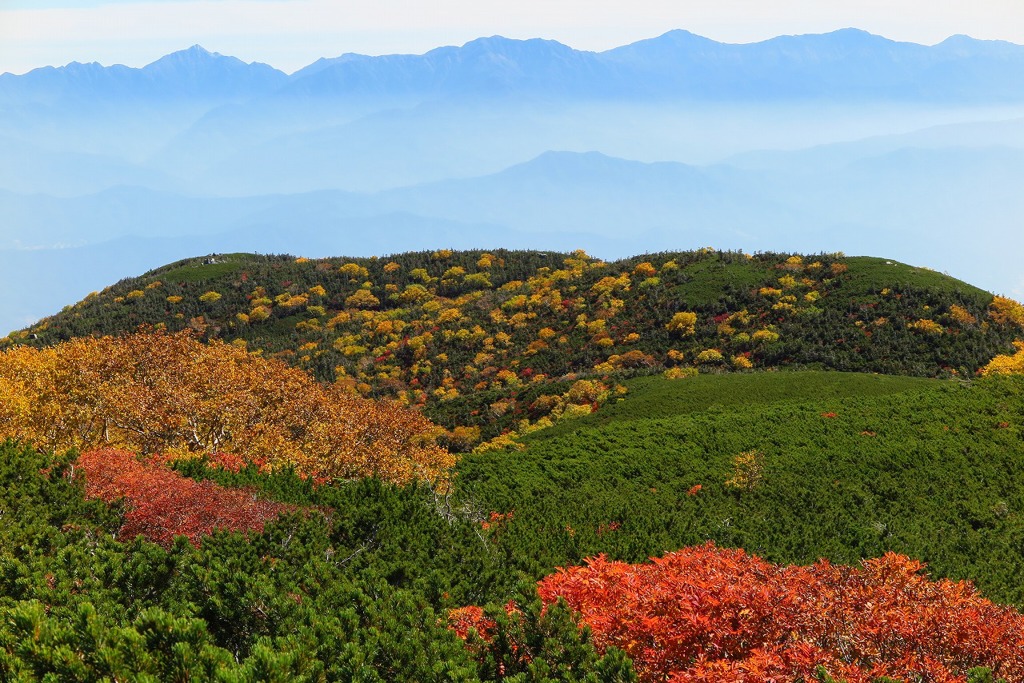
290 34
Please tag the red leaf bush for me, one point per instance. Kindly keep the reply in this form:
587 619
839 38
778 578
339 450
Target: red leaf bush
162 504
705 614
709 614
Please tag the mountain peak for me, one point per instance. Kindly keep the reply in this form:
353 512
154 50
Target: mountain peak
491 41
670 41
960 45
844 37
680 35
197 70
852 33
196 54
198 50
503 45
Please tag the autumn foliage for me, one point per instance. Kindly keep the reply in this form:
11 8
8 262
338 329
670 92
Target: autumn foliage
707 614
161 504
1006 364
168 393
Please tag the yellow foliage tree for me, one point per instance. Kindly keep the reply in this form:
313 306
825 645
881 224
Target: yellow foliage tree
683 323
926 326
748 469
741 362
354 271
168 393
1006 311
645 269
362 299
259 313
585 391
1006 365
961 315
765 335
709 356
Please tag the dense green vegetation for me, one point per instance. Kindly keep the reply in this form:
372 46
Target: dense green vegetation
485 340
847 466
757 443
356 593
850 466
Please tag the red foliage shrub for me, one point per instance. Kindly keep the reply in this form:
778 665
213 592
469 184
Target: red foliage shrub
465 618
707 614
496 520
162 504
232 462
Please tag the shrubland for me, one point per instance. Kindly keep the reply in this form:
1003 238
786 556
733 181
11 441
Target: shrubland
248 487
357 592
487 343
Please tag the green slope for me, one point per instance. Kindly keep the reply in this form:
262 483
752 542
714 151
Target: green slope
853 466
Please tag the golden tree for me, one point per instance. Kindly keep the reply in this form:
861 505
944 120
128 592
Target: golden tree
168 393
683 323
1006 364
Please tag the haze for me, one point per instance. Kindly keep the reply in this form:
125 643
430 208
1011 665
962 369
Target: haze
843 141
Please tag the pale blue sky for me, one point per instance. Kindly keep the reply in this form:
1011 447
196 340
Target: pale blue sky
292 33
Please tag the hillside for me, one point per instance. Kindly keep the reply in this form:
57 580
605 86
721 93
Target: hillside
230 518
485 340
789 466
792 466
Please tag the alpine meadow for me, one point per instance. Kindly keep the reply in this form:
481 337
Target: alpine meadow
418 367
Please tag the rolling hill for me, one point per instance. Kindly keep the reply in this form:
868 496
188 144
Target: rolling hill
492 341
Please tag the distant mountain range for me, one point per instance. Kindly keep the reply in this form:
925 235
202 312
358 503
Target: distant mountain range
845 64
192 73
842 141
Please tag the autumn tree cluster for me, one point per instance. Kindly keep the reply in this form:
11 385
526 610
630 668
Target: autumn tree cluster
712 615
153 392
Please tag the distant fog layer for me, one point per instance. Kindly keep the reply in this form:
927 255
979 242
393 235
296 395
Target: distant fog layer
844 141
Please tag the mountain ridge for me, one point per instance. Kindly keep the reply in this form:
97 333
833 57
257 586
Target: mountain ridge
496 65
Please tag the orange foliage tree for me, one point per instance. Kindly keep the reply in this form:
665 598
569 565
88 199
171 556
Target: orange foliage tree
168 393
161 504
707 615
